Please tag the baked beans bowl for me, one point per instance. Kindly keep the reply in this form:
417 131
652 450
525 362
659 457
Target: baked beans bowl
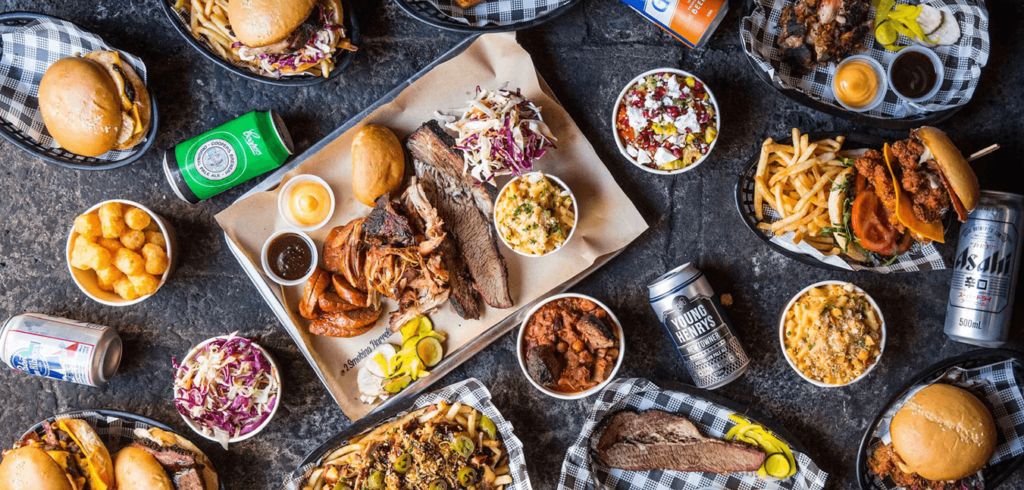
832 333
595 354
139 231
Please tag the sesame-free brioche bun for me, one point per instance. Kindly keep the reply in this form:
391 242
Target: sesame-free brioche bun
943 433
30 468
163 438
79 105
953 164
136 469
258 23
378 163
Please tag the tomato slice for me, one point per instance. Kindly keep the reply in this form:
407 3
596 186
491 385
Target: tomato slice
871 223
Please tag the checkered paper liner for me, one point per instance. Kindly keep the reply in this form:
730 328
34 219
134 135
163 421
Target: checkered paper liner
918 258
470 392
998 384
497 12
582 471
28 51
963 61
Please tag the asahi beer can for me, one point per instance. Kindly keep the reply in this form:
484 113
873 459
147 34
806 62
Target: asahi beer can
59 348
692 315
985 270
690 21
229 155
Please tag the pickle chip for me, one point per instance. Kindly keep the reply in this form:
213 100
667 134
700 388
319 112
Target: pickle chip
777 465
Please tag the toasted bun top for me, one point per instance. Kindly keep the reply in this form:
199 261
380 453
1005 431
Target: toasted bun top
138 470
378 163
136 106
262 22
99 467
30 468
164 438
943 433
80 106
954 165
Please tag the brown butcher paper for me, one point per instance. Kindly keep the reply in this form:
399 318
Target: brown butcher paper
608 221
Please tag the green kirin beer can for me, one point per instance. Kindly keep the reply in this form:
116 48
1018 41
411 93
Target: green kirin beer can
222 158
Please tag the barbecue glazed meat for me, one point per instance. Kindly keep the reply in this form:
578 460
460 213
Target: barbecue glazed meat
569 345
345 253
818 31
466 209
657 440
345 323
885 462
384 226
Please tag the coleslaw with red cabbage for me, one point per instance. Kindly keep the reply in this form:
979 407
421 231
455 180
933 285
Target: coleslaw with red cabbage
228 388
500 133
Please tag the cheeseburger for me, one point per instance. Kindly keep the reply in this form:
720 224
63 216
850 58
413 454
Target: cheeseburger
286 37
890 199
941 438
161 460
94 104
70 456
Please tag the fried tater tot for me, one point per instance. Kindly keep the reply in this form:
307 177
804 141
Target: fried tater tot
112 220
111 244
123 287
106 278
129 262
86 255
156 238
88 225
136 218
133 239
144 284
156 259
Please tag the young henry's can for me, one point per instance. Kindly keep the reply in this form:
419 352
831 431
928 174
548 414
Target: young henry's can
59 348
218 160
690 21
985 270
692 315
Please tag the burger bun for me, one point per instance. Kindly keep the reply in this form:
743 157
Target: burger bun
259 23
953 164
136 469
943 433
378 163
30 468
163 438
80 107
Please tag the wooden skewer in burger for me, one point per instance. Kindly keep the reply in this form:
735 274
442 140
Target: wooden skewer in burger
890 199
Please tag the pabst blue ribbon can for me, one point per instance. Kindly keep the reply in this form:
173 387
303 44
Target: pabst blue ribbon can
58 348
985 270
692 315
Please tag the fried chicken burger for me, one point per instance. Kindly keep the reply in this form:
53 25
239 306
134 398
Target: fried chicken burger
890 199
941 436
71 456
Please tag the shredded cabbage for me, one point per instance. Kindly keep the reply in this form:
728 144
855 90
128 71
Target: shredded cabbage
228 388
500 133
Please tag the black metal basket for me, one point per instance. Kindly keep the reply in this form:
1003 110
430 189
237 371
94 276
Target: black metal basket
60 156
342 58
994 474
426 12
903 123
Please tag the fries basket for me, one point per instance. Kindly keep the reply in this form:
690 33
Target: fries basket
489 16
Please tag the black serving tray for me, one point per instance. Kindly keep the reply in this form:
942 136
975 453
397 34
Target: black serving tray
903 123
426 12
60 156
112 446
342 58
745 193
994 474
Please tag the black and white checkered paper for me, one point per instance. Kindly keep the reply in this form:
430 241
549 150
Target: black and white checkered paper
470 392
581 471
28 51
998 384
115 432
963 61
497 12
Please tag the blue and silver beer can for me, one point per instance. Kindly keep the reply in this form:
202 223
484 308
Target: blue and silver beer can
692 314
59 348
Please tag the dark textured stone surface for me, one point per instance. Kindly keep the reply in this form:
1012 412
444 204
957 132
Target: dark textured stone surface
587 56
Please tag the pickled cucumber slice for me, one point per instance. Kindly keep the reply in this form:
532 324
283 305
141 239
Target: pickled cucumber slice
777 465
429 351
398 384
411 329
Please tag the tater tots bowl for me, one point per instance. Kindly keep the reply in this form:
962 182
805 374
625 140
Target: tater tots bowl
116 271
832 334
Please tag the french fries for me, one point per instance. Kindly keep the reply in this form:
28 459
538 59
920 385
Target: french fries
795 181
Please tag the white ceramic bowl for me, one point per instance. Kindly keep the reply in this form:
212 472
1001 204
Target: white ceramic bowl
274 372
582 394
883 83
282 202
86 280
782 334
315 256
940 70
575 212
622 147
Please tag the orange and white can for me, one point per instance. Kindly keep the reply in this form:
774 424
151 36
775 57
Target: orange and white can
690 21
